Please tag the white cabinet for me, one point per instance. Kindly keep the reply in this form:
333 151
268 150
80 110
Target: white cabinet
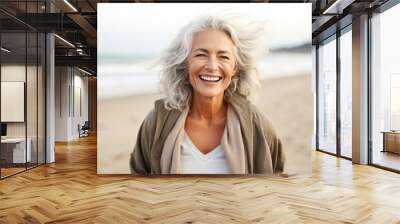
18 149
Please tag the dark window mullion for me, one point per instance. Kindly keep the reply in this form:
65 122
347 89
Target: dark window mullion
369 90
37 91
317 96
338 98
26 87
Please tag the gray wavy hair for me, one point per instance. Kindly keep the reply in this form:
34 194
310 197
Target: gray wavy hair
246 37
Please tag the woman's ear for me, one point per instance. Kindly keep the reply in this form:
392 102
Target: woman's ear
236 70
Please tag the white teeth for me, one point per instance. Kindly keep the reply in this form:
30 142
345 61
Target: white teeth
210 78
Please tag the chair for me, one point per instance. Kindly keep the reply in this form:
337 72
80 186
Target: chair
84 130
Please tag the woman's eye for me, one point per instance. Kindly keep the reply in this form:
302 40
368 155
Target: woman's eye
225 57
200 55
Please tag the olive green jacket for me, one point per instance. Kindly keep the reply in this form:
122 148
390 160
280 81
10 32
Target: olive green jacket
262 145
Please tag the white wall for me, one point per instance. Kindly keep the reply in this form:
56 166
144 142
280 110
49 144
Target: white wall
33 126
12 73
62 81
71 93
80 83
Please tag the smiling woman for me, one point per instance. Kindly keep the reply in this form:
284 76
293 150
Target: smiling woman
207 123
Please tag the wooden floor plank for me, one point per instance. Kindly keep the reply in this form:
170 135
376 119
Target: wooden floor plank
70 191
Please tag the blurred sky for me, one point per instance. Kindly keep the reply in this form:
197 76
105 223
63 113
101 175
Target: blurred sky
147 28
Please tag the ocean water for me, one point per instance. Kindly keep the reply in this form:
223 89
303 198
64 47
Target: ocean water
129 76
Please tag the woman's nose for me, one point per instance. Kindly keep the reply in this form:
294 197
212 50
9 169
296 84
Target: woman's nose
212 64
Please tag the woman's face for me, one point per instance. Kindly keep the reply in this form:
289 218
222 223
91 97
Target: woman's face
211 63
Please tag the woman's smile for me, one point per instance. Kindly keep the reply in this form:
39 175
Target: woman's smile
209 78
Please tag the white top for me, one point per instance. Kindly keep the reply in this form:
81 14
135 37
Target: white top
195 162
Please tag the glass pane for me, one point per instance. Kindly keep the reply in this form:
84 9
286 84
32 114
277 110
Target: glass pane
386 89
327 96
345 94
395 101
31 101
32 85
22 67
13 87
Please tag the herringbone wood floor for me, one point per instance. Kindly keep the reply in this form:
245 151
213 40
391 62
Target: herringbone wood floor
70 191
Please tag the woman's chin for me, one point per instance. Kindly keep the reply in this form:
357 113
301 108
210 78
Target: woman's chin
210 94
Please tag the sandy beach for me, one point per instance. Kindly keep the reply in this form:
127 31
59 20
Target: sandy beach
287 101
